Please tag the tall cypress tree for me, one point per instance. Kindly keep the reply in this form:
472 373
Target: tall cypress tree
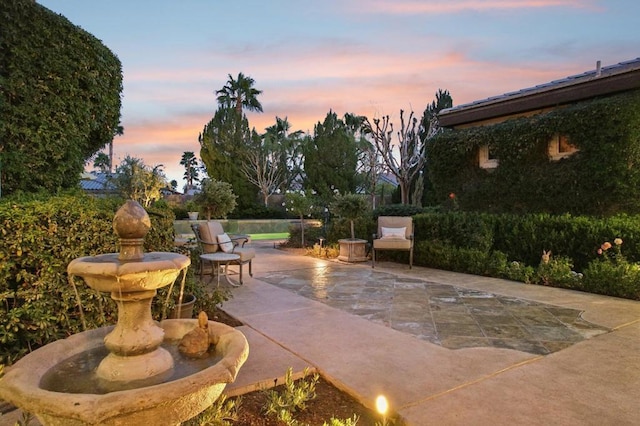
330 159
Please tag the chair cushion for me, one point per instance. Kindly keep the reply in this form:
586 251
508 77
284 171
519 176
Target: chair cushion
246 253
392 244
393 232
396 222
225 243
207 237
215 228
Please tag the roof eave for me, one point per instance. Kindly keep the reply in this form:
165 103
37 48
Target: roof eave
600 86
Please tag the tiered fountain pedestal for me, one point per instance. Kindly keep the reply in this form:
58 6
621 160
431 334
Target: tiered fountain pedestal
148 389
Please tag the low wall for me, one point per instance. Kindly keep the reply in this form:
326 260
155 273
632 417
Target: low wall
245 226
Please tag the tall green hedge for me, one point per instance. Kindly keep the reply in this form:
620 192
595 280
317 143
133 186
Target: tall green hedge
59 98
39 238
602 179
511 246
523 237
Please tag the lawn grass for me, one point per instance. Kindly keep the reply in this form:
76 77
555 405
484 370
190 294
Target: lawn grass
271 236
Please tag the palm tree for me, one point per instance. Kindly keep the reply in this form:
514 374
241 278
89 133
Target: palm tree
190 162
102 162
119 131
240 94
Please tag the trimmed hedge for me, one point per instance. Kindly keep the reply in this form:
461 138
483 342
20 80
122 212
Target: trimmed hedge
60 98
39 239
511 246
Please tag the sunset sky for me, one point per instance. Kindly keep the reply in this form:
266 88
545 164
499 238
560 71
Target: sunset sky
367 57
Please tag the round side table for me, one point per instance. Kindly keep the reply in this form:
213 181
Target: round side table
220 262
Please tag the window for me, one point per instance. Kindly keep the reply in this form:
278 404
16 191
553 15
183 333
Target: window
486 158
560 147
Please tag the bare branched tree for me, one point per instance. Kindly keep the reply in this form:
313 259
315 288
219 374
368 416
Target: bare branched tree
410 149
263 171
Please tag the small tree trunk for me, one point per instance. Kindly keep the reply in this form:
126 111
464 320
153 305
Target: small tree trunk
353 232
404 192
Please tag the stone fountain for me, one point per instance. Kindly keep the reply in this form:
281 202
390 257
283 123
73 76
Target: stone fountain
135 383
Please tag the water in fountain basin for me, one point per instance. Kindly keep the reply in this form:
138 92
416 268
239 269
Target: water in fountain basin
77 373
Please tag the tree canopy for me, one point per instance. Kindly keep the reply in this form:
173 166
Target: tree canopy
239 94
139 182
224 142
330 159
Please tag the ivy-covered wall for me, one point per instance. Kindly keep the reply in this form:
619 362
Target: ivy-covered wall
59 98
603 178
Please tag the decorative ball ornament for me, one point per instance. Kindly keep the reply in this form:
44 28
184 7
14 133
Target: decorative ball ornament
131 224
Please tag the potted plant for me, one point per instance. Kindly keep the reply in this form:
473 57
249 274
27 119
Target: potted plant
192 210
350 207
186 302
216 199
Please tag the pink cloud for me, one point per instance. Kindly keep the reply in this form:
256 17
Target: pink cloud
452 6
305 87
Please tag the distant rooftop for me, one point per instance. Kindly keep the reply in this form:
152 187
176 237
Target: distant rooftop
96 182
598 82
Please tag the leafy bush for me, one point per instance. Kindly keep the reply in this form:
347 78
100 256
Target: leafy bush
293 397
558 272
258 211
60 98
397 210
518 271
215 199
311 236
510 246
469 230
339 228
612 274
39 239
350 207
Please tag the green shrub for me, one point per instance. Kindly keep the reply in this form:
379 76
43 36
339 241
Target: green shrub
397 210
311 236
39 239
60 98
258 211
619 279
460 229
558 272
481 243
339 228
518 271
612 274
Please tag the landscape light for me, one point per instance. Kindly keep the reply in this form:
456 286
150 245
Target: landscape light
381 407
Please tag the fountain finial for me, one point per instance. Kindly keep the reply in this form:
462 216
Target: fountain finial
131 224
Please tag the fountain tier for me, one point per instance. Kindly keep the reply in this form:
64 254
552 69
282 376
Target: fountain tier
132 278
167 403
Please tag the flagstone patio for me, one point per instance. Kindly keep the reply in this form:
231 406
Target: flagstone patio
450 316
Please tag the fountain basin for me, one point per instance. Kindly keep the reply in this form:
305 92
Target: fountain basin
106 273
166 403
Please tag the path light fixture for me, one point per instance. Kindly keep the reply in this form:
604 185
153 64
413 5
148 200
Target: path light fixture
382 406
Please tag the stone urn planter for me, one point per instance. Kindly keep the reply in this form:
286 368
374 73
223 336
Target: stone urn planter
351 207
353 250
193 215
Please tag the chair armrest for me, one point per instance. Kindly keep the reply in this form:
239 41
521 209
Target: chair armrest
239 239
